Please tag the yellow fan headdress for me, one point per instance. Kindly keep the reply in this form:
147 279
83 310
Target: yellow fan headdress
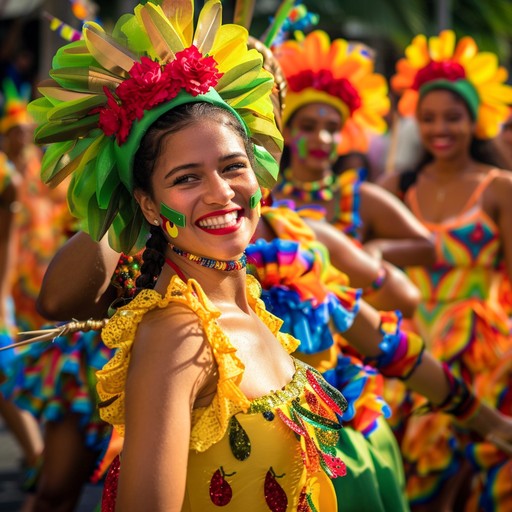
340 74
106 90
440 62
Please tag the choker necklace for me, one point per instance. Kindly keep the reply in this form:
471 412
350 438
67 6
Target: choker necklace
309 191
226 265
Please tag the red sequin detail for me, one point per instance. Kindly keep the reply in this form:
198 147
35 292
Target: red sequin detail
336 465
322 394
291 424
274 494
108 499
220 490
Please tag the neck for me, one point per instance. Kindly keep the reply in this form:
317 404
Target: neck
221 287
451 168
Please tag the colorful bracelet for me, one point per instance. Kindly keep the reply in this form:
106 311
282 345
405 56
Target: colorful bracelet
460 402
377 283
401 351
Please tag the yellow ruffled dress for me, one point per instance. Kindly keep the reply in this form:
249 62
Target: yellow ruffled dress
277 452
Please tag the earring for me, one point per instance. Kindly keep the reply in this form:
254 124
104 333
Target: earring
155 222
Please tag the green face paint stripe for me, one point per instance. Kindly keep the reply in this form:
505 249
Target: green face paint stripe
255 199
302 147
172 215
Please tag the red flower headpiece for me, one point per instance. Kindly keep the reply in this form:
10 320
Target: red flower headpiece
151 84
324 80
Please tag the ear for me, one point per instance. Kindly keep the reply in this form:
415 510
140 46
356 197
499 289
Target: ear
287 134
147 205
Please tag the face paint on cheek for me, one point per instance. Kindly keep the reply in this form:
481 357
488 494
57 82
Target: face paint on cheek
335 143
255 202
299 144
171 219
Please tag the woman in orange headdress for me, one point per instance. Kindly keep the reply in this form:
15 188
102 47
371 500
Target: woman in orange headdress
459 98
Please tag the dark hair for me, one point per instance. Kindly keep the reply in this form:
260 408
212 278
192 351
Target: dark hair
144 163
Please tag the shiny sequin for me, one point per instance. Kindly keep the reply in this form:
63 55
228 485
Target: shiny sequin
275 496
239 440
269 415
220 490
327 393
108 499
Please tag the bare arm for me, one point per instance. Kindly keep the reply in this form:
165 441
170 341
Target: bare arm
8 248
397 292
163 381
392 231
77 281
429 380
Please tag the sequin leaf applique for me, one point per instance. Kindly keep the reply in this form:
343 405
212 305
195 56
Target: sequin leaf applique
220 490
333 466
239 440
275 496
327 393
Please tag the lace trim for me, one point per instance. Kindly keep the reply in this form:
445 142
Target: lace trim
120 332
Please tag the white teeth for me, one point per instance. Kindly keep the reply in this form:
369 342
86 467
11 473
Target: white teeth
222 221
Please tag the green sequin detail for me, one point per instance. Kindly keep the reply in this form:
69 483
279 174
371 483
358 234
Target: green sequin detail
239 440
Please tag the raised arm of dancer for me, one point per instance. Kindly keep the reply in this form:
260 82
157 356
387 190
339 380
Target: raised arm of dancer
85 265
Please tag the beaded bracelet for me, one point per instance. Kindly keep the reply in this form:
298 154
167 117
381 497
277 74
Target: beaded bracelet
460 402
377 283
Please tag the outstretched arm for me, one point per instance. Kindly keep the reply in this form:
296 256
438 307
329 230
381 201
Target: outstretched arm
428 377
77 281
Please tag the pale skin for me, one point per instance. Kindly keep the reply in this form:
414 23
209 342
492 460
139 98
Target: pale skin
388 230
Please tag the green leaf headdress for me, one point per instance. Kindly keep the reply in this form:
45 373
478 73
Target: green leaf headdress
106 90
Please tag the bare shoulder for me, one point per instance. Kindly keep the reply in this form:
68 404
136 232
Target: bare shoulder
390 182
501 185
171 338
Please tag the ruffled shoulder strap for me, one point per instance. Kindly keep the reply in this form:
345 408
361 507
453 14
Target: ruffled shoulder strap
209 424
287 223
119 334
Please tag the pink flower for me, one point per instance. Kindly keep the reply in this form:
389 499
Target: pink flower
195 72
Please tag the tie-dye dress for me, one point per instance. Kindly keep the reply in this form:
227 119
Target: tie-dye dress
464 326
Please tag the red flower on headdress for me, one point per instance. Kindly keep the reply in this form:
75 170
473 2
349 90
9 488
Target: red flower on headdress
114 119
150 85
195 72
324 80
447 70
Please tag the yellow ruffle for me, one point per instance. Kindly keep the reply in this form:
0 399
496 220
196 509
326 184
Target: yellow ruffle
210 423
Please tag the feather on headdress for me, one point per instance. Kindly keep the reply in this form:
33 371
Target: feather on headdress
105 91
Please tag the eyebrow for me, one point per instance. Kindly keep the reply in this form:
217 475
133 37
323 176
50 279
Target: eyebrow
195 165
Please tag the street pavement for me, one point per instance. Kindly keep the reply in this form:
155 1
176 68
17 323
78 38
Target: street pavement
11 498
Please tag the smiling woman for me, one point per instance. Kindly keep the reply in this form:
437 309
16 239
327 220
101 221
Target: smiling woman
169 132
460 98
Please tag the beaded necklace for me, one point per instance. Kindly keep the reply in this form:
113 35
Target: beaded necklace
308 191
226 265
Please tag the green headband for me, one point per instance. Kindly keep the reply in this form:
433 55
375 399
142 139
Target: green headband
126 152
462 87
